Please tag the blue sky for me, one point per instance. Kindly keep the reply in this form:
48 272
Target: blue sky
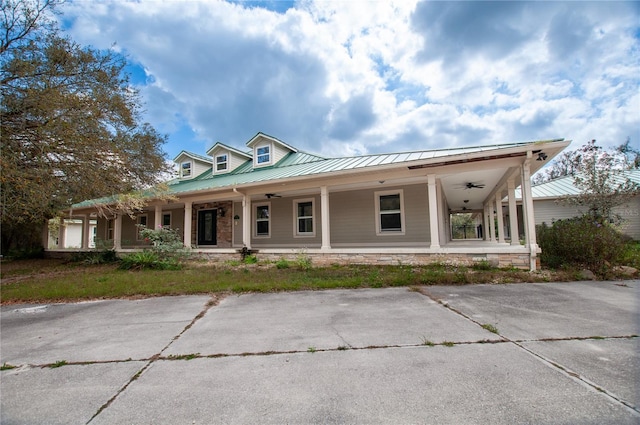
355 77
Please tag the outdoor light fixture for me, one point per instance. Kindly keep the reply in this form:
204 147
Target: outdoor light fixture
235 219
222 212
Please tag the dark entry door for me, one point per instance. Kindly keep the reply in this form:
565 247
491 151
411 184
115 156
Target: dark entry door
207 227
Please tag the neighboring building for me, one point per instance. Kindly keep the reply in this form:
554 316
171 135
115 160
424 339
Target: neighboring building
69 234
549 208
385 208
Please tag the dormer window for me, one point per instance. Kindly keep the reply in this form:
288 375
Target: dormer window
222 163
185 169
263 155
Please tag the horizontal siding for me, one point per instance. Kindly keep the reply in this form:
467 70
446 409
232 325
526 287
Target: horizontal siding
630 214
547 211
282 224
353 217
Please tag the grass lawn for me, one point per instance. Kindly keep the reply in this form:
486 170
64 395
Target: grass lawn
58 280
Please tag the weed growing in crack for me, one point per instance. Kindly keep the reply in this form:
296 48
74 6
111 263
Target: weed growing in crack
311 350
448 343
59 363
426 342
190 356
490 328
7 366
343 347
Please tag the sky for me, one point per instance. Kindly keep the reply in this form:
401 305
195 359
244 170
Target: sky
343 78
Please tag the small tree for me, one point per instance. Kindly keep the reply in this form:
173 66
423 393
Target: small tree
602 182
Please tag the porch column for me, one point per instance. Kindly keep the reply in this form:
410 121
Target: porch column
157 219
45 235
61 234
486 231
324 212
492 222
246 221
513 213
85 231
500 218
117 232
188 217
433 212
527 207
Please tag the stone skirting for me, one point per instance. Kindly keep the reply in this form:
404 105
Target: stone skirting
519 260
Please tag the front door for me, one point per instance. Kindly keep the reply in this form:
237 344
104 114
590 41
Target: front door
207 227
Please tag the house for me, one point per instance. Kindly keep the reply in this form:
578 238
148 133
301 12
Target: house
549 208
383 208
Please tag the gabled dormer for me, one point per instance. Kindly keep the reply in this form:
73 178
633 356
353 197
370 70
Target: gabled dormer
226 158
268 150
191 165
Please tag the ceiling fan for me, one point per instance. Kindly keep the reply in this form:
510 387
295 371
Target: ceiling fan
272 195
471 185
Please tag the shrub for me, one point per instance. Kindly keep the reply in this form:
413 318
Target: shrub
166 251
147 259
105 256
282 264
580 242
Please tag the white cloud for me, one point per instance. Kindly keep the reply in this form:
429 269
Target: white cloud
351 77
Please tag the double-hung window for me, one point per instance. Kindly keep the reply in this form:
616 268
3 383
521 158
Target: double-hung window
110 227
166 220
185 169
389 212
263 220
222 163
263 155
142 222
304 217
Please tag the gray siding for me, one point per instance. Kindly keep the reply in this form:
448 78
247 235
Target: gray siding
282 231
353 218
547 211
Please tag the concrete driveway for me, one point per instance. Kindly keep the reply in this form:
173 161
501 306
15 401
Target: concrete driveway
564 353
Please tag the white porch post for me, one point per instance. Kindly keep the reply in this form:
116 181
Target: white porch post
486 232
527 207
492 222
45 235
513 213
324 212
157 219
61 234
85 231
117 232
188 217
500 218
246 221
433 212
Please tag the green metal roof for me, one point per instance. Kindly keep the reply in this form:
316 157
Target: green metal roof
564 186
301 164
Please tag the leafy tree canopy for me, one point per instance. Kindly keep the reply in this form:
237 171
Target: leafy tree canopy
600 175
71 121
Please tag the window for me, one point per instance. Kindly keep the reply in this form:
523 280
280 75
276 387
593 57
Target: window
142 221
222 163
166 220
389 212
185 169
262 220
303 211
109 235
263 155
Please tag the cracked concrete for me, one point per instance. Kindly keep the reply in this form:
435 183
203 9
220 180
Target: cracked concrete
563 353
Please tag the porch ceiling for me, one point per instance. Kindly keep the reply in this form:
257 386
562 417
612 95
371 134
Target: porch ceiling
460 197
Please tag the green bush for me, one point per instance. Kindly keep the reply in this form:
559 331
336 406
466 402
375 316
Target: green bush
147 259
167 251
282 264
580 242
105 256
